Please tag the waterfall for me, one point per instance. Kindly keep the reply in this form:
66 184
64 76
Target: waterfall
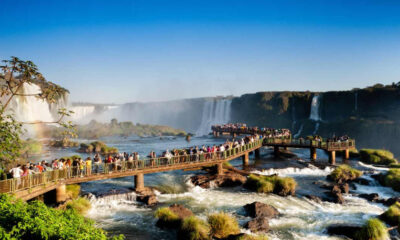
314 113
214 112
298 132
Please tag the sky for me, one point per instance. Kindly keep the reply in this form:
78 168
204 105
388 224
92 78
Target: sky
125 51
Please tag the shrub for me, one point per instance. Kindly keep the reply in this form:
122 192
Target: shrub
73 190
80 205
194 228
222 225
252 237
34 220
271 184
344 173
394 165
377 156
167 218
392 179
374 229
392 215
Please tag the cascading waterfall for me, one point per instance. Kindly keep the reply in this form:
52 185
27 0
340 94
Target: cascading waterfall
299 132
314 114
214 112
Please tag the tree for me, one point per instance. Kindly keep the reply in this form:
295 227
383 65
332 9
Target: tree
14 73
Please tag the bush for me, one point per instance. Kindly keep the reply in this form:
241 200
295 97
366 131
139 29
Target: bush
392 179
392 215
20 220
374 229
80 205
344 173
252 237
394 165
377 156
167 218
194 228
73 190
283 186
222 225
97 146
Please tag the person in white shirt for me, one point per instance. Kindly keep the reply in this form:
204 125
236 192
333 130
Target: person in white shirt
16 172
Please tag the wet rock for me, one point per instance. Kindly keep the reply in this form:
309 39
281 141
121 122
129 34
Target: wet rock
181 211
314 198
389 201
259 224
336 193
229 179
344 188
362 181
259 210
372 197
146 196
343 230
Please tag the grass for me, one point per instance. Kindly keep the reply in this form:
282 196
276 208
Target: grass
222 225
392 179
377 156
374 229
253 237
73 190
167 218
283 186
193 228
80 205
392 215
344 173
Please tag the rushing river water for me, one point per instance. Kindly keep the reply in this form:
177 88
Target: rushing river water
300 218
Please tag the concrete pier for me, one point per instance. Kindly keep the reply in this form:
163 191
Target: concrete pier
346 154
332 157
245 159
276 151
61 193
313 154
139 182
257 153
220 169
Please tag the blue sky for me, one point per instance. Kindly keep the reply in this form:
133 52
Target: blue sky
124 51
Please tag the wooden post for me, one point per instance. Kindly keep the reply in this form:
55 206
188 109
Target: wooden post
346 154
276 151
332 157
234 135
245 159
61 193
313 153
257 153
220 169
139 182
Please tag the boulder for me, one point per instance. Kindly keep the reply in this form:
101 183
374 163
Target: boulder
372 197
259 210
314 198
344 188
343 230
229 179
181 211
146 196
336 194
390 201
362 181
259 224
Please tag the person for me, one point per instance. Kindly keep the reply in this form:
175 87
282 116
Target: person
97 162
16 173
88 166
75 167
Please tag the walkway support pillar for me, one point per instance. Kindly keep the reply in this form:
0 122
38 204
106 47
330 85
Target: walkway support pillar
234 135
332 157
276 151
313 153
285 148
220 169
139 182
346 154
61 193
245 159
257 153
216 134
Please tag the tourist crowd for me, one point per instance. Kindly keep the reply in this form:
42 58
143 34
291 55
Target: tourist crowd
242 128
77 167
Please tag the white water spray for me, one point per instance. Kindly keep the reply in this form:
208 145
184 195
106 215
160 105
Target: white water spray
314 114
214 112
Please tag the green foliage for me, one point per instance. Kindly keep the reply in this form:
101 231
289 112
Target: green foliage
31 147
194 228
392 179
97 146
283 186
63 143
392 215
73 190
222 225
377 156
3 175
10 142
374 229
394 165
80 205
252 237
344 173
167 218
20 220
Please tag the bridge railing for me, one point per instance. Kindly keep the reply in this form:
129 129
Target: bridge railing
53 176
329 146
